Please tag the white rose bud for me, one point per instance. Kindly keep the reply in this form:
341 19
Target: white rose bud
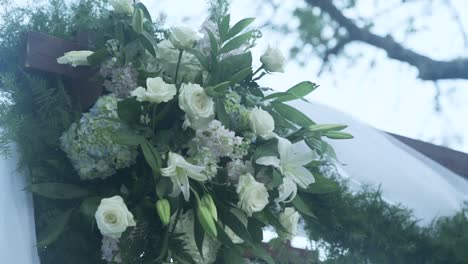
262 123
273 60
253 195
75 58
157 91
289 220
122 6
198 106
183 38
113 217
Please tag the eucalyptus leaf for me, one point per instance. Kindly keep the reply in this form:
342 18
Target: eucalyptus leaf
213 43
298 91
54 190
54 229
200 57
240 76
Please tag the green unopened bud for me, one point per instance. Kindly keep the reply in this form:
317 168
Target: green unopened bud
206 220
164 211
208 202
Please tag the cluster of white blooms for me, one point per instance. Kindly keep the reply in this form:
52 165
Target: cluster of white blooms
89 143
238 167
210 246
110 249
204 156
220 141
238 113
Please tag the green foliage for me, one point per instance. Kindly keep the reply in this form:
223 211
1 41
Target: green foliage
362 228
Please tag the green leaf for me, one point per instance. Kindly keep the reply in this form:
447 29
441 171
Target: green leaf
221 114
262 253
234 223
152 156
89 206
148 42
240 76
302 207
277 179
314 143
163 187
200 57
338 135
238 27
129 111
213 43
54 229
292 114
321 185
231 65
137 21
54 190
220 88
328 150
326 127
145 11
223 27
98 57
232 256
199 234
298 91
255 229
127 138
236 42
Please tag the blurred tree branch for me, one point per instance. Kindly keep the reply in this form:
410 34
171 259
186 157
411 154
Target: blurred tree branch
429 69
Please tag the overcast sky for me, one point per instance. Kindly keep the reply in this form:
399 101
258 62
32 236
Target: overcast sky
387 95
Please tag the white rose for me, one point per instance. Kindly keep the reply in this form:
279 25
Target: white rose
198 106
157 91
183 38
289 220
75 58
122 6
273 60
253 195
113 217
262 123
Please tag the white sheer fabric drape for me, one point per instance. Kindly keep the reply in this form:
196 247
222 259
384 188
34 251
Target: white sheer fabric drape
17 230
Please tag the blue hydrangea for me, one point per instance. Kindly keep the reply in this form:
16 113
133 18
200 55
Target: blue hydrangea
89 143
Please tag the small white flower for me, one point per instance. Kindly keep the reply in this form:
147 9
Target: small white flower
262 123
273 60
198 106
122 6
289 220
75 58
291 165
253 195
179 170
183 38
157 91
113 217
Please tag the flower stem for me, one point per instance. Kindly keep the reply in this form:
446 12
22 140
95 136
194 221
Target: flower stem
259 69
178 66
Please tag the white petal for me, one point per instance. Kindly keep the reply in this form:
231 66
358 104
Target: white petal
302 176
284 148
182 181
169 171
268 161
301 158
193 171
287 190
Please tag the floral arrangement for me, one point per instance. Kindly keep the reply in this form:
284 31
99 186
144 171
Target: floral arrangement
185 158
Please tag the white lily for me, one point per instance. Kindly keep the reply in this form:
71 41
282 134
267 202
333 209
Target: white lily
179 170
291 164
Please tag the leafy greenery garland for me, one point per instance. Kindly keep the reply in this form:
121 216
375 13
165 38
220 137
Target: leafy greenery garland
355 228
